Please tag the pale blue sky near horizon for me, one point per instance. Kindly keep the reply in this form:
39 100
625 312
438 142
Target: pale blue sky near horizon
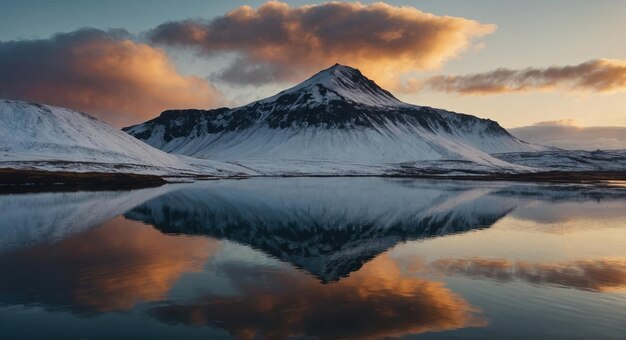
530 33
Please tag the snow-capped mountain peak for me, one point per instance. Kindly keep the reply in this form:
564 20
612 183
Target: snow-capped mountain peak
333 120
339 82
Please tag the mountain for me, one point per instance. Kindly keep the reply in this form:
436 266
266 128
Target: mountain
54 138
337 121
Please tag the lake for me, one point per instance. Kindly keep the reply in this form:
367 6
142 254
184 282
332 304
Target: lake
317 258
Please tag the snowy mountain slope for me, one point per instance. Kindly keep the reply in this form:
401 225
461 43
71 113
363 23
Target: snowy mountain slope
54 138
336 116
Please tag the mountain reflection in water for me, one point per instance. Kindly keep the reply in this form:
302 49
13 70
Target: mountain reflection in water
326 257
329 228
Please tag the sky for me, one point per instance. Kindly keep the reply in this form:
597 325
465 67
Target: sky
521 63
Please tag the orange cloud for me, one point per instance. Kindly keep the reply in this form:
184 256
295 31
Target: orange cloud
599 275
103 73
376 302
602 75
277 42
109 268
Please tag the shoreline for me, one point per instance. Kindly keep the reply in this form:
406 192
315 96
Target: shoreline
25 181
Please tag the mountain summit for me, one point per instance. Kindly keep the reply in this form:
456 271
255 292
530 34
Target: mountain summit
343 83
336 122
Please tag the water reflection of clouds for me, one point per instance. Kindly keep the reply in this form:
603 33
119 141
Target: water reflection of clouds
121 263
598 275
111 267
557 212
335 234
375 302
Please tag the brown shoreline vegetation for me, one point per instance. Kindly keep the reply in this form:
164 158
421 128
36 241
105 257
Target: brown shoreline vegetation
22 180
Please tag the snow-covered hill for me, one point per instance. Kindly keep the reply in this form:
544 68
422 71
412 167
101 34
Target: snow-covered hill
54 138
337 121
569 160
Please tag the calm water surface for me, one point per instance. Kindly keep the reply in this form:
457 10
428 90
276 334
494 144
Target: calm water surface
322 258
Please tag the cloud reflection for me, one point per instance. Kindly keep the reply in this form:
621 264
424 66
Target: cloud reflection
377 301
598 275
108 268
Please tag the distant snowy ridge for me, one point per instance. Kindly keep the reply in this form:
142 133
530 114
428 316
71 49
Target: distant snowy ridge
569 160
338 116
53 138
